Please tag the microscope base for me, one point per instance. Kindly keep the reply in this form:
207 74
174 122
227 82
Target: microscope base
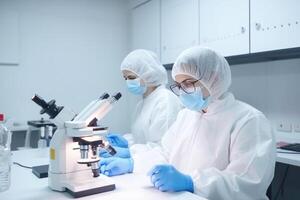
80 183
81 188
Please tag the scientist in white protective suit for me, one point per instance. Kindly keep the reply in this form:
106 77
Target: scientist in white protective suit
218 147
158 107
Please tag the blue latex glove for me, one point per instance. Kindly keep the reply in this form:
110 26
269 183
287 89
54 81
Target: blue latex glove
116 139
121 152
115 166
167 178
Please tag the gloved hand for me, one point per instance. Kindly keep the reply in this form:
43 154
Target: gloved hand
116 139
121 152
115 166
167 178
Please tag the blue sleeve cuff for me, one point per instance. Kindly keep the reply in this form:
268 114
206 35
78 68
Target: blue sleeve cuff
190 184
131 165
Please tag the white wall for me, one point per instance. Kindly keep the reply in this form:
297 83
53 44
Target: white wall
272 87
69 50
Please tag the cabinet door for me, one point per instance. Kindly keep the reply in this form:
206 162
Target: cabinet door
135 3
224 26
179 27
275 24
145 21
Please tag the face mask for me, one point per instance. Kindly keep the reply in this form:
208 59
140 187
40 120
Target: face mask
134 86
194 101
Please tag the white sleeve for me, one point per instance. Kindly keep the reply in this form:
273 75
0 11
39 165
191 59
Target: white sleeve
251 167
169 139
129 138
163 116
158 124
147 155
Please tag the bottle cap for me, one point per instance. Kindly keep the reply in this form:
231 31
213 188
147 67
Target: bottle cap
1 117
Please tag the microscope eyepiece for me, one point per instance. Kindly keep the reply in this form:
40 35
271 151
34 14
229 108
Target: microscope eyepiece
104 96
117 96
50 108
39 100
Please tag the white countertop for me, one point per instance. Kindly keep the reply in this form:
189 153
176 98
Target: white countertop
26 186
288 158
291 158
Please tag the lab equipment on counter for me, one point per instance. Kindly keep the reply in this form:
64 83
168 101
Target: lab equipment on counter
74 148
40 171
5 156
46 131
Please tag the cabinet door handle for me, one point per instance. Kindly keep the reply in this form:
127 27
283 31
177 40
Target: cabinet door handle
258 26
243 29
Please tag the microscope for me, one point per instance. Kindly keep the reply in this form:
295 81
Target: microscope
74 147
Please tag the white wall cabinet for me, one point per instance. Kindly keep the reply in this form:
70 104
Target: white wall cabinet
224 26
232 27
275 24
135 3
145 29
179 27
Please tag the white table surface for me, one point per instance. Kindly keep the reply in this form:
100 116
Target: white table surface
288 158
26 186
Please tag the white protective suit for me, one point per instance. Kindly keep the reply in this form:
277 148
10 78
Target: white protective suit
229 151
155 113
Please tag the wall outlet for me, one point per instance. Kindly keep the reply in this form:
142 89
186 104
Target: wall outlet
297 127
284 126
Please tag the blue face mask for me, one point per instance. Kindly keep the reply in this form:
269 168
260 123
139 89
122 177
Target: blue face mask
194 101
134 86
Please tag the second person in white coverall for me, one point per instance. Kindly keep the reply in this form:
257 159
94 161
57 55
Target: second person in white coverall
157 109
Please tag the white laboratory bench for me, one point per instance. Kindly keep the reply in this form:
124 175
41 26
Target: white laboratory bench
26 186
288 158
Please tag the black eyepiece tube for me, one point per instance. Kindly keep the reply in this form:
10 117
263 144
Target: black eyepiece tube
49 108
118 96
40 101
104 96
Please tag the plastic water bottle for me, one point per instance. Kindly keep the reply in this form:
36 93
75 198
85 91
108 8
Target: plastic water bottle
5 156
